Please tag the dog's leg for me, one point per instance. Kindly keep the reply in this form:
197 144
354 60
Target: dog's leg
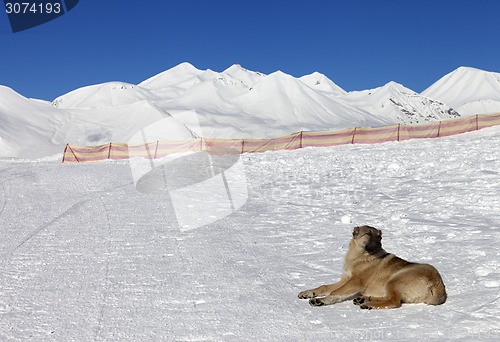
391 301
332 299
323 290
351 289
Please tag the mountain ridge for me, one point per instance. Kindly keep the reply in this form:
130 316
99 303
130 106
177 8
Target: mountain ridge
468 90
234 103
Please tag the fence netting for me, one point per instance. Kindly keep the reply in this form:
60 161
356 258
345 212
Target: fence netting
160 149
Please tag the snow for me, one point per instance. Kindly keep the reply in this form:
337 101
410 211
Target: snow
86 256
173 76
236 103
110 94
396 103
320 82
468 90
30 128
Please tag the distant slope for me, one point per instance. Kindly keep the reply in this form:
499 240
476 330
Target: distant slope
468 90
186 102
398 104
288 101
239 103
30 128
320 82
119 124
110 94
174 82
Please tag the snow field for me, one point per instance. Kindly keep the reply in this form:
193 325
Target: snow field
84 256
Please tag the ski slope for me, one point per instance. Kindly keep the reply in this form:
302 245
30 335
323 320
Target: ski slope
85 256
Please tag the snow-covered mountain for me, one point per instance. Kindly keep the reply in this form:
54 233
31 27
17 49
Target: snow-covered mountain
110 94
30 128
468 90
234 103
321 83
173 82
396 103
33 128
247 105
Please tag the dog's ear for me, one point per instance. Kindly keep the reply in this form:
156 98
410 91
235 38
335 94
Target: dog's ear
379 234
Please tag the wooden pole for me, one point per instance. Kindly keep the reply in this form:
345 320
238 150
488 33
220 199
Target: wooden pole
109 151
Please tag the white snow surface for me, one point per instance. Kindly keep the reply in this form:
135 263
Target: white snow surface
468 90
236 103
396 103
86 257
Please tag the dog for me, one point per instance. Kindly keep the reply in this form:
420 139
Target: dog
375 279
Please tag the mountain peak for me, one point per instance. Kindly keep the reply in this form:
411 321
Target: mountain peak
184 67
319 81
106 94
172 76
468 90
468 69
279 73
235 68
396 86
246 77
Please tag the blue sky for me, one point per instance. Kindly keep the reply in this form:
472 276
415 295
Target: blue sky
358 44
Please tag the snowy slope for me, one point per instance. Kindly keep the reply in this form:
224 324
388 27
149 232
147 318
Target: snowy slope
36 129
320 82
286 101
396 103
102 125
468 90
247 77
30 128
239 103
86 257
173 82
235 103
110 94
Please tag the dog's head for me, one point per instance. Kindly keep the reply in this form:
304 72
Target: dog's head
368 238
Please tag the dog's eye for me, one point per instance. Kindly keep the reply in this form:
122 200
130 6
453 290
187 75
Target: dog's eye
369 233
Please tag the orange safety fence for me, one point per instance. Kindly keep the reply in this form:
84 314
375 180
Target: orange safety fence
159 149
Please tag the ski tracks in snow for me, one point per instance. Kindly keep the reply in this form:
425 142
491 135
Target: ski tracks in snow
87 257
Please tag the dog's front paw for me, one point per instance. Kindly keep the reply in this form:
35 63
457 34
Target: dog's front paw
358 301
307 294
362 302
316 302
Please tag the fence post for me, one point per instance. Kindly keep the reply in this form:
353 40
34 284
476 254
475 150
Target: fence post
301 139
353 135
73 152
477 122
109 150
439 130
242 145
64 154
399 127
156 149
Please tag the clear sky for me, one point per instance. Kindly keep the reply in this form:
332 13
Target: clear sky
356 43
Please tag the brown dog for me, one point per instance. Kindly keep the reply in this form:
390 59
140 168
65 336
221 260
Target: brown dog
376 279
